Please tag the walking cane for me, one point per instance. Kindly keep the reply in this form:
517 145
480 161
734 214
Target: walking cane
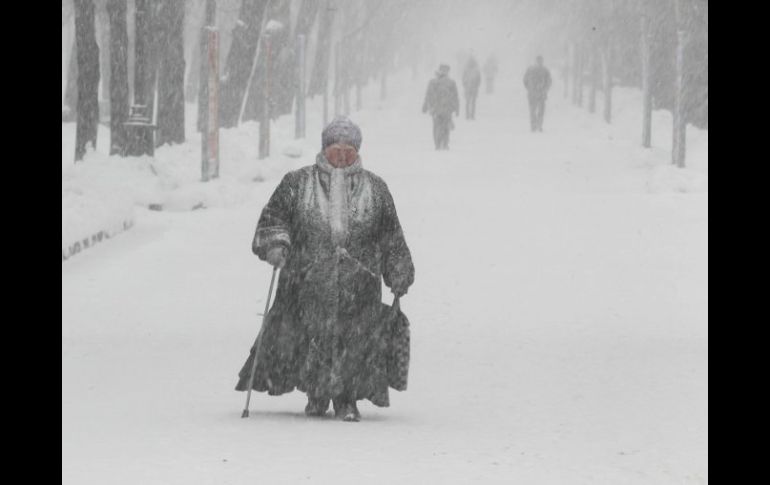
257 345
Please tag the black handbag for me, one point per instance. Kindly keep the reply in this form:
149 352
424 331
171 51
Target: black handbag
397 326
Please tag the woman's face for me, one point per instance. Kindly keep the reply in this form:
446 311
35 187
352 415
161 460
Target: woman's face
341 155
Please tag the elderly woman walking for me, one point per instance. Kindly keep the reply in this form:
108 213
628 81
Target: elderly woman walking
332 228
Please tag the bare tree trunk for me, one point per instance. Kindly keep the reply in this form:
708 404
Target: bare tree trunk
192 78
116 10
251 108
153 54
359 76
71 90
345 72
209 21
594 66
580 73
646 83
139 141
306 17
607 71
103 34
171 68
299 85
264 119
680 122
88 77
573 74
325 119
337 79
240 60
143 79
707 62
282 66
283 61
208 97
319 78
131 29
595 14
69 96
280 99
566 71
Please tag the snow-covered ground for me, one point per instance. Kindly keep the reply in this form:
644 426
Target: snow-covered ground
559 315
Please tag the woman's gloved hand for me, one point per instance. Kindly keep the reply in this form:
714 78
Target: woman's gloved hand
399 289
277 256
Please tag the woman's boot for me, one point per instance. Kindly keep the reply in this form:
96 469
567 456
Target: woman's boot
316 406
346 409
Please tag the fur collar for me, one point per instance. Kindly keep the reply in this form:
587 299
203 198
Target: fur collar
323 164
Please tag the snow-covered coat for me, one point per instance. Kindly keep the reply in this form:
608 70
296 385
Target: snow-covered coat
537 80
441 98
325 334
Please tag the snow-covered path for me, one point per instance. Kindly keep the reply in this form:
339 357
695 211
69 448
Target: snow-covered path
559 323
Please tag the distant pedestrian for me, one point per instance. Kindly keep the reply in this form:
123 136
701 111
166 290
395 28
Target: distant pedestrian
490 72
471 84
537 80
441 100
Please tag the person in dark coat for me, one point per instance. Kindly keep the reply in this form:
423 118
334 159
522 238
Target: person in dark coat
441 100
471 83
490 72
537 80
333 230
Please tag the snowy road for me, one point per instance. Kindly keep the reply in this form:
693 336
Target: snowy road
559 323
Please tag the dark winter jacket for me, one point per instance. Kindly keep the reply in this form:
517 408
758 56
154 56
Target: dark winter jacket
324 333
537 80
441 99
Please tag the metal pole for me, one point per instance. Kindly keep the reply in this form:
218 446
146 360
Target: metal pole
257 344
